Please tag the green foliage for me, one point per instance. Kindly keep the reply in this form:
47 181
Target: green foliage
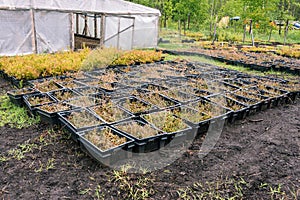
14 116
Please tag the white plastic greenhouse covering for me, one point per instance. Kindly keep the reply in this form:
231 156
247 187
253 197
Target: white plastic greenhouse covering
37 26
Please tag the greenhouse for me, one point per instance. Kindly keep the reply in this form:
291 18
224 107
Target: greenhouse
36 26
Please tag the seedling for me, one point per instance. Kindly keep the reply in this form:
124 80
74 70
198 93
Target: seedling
138 130
82 119
109 112
166 121
104 138
46 86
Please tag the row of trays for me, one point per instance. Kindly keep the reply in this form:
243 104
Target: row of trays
140 117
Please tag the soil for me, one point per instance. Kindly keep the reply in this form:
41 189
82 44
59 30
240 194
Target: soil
263 149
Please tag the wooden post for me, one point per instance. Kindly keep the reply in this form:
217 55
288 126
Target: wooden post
118 36
33 29
95 26
286 30
133 24
72 37
279 28
85 29
102 30
77 23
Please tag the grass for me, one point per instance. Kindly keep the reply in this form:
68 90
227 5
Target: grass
15 116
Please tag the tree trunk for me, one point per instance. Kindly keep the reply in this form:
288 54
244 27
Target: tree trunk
244 35
270 35
286 30
189 21
251 33
215 31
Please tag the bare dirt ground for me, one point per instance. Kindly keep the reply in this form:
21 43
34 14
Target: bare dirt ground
258 158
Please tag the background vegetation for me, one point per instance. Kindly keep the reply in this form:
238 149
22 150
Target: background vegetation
202 15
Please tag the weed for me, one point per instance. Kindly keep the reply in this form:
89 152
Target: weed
132 186
14 116
19 152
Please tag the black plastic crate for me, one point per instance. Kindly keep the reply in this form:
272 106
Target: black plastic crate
199 121
153 87
110 113
254 105
87 91
178 130
106 155
16 96
33 101
181 97
73 84
64 94
239 110
84 101
45 85
135 105
156 99
85 120
48 112
147 138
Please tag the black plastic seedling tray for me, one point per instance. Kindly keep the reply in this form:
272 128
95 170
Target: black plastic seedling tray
136 106
16 96
32 107
148 144
110 113
175 137
108 156
236 114
51 117
73 128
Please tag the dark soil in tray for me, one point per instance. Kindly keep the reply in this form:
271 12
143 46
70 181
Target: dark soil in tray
263 149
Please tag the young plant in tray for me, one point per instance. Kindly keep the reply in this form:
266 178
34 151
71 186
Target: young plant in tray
110 112
226 102
209 108
191 115
83 101
35 100
138 130
55 107
82 118
177 95
104 138
46 86
156 99
63 95
109 77
136 106
166 121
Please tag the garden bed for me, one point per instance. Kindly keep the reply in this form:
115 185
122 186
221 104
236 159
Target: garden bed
200 93
256 61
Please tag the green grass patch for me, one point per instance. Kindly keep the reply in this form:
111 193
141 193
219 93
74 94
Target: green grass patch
15 116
